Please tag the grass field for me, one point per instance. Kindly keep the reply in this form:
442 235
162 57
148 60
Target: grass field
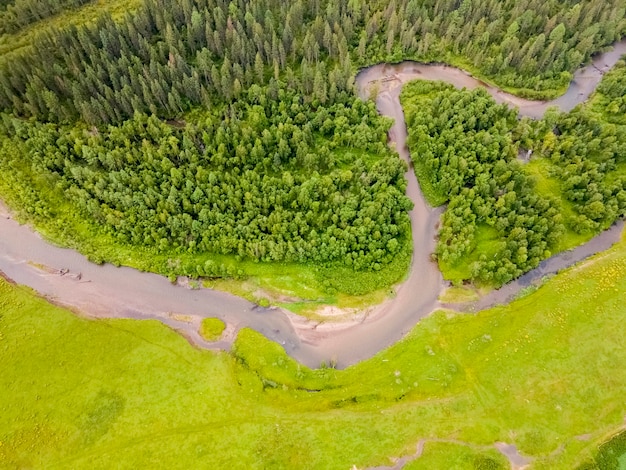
76 393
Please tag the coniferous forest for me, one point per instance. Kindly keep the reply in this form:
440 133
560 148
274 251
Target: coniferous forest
463 145
233 128
20 13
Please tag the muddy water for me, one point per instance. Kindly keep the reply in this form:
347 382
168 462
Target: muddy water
583 84
552 265
387 81
67 278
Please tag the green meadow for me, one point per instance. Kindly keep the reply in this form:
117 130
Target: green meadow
544 373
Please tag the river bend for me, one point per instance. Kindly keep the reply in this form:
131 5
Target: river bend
104 291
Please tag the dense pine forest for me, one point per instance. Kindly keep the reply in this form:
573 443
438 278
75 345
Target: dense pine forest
16 15
170 55
462 145
499 223
233 128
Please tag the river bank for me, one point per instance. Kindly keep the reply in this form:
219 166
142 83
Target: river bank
583 84
69 279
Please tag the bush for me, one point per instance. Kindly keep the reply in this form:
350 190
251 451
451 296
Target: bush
212 329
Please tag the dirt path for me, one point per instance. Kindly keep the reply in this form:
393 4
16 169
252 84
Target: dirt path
516 460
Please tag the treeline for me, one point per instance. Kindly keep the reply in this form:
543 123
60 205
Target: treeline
16 14
172 55
526 43
610 95
532 45
588 156
270 177
462 146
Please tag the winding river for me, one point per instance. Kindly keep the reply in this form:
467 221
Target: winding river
104 291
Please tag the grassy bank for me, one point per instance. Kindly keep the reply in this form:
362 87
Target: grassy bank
537 373
552 89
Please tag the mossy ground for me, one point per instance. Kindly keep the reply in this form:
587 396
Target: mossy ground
459 294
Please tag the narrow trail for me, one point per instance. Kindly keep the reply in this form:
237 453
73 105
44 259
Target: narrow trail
104 291
516 460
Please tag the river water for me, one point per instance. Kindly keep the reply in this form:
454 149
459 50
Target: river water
387 80
104 291
584 82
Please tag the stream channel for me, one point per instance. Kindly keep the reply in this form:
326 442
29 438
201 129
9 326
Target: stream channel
104 291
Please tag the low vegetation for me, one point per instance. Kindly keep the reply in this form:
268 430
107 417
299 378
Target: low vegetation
459 294
610 96
451 455
610 455
211 329
537 374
